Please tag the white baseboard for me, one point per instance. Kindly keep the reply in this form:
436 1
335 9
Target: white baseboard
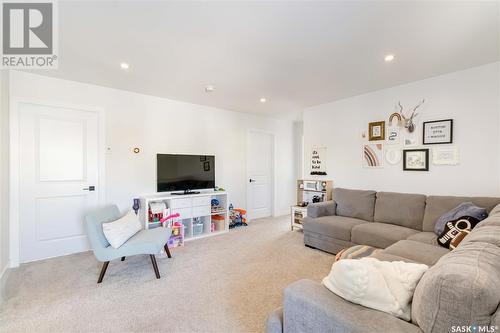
4 275
281 213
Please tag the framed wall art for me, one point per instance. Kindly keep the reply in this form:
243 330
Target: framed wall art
393 135
445 155
393 155
373 155
376 131
416 159
318 161
410 142
438 132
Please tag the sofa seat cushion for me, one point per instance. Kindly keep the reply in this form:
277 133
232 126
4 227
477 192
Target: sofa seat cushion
380 235
406 210
359 204
382 256
417 251
426 237
150 241
338 227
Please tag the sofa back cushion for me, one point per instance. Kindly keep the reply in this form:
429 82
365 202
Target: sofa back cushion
462 288
359 204
406 210
439 205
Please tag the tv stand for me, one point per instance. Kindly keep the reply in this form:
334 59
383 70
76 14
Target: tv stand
194 210
186 192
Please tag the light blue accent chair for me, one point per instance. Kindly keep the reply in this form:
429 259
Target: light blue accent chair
150 241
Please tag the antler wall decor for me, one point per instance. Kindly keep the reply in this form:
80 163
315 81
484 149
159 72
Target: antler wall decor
407 121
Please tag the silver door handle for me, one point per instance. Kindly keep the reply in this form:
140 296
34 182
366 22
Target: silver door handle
90 188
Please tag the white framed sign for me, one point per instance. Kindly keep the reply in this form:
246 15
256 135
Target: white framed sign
318 161
438 132
445 155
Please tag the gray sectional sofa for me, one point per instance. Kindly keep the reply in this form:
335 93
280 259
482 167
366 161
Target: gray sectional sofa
462 288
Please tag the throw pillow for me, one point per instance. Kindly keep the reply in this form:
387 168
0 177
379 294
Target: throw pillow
453 229
458 239
381 285
464 209
119 231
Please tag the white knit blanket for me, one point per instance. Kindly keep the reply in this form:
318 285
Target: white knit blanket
381 285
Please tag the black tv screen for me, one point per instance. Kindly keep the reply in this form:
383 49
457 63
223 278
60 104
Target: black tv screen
184 172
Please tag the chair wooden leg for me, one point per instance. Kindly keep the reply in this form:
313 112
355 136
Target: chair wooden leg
167 250
103 271
155 266
123 258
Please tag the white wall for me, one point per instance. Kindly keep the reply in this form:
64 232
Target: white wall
4 176
158 125
298 144
470 97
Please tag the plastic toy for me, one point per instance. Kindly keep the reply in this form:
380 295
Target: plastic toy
237 217
177 236
170 217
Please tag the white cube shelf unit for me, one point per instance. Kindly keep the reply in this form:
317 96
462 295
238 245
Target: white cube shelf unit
196 212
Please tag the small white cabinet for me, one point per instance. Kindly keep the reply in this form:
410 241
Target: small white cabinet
298 214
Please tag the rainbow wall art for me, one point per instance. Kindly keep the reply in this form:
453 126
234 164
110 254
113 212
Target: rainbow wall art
373 155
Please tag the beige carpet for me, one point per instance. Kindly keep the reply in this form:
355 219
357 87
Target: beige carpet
226 283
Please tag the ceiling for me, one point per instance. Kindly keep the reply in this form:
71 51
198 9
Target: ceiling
295 54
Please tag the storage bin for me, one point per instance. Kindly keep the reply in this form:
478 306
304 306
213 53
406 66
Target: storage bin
197 228
219 225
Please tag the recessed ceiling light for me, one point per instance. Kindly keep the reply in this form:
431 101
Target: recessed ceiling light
124 65
209 89
389 58
263 100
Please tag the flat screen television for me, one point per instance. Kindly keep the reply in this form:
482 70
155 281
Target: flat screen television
184 172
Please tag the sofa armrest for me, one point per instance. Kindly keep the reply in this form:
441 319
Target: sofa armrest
318 209
310 307
275 321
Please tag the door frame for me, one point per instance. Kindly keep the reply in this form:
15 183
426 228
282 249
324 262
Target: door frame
14 163
273 168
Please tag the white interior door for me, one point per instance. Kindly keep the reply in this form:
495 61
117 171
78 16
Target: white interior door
260 164
59 164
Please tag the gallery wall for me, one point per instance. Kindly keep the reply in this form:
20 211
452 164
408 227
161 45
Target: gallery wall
470 97
159 125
